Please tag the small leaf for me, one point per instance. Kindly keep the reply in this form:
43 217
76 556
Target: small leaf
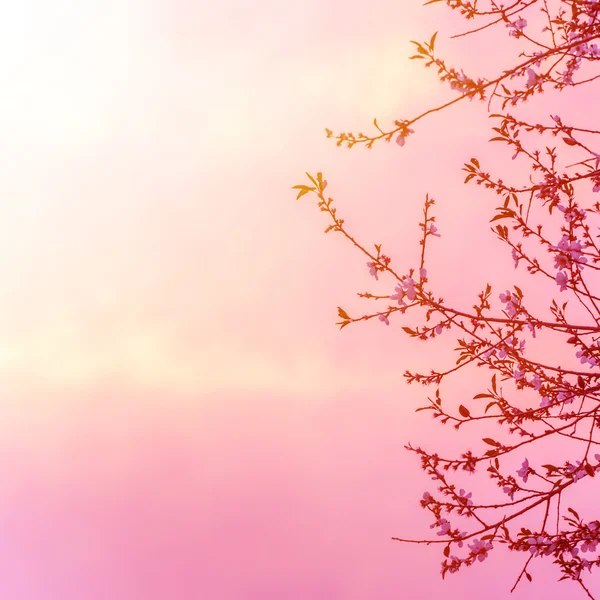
529 578
490 441
489 406
464 411
432 41
342 313
569 141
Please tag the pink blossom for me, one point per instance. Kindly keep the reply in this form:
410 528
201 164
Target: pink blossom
433 230
480 549
532 77
384 319
423 273
589 546
536 382
508 489
515 257
445 527
523 472
465 498
403 135
576 471
517 27
561 280
536 545
408 283
373 269
509 300
399 295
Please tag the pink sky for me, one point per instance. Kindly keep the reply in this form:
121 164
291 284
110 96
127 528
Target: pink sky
181 417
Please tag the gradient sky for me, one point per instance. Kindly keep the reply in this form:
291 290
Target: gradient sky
181 417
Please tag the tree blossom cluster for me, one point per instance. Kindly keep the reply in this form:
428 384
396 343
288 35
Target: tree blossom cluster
549 225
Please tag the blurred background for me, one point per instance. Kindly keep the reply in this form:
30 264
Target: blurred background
180 416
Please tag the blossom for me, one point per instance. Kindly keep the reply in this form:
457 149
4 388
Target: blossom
510 490
433 230
523 472
589 546
384 319
480 549
584 358
517 27
515 257
532 78
561 280
373 269
536 382
536 545
423 273
509 300
403 135
445 527
572 212
576 471
408 283
518 375
399 295
465 498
